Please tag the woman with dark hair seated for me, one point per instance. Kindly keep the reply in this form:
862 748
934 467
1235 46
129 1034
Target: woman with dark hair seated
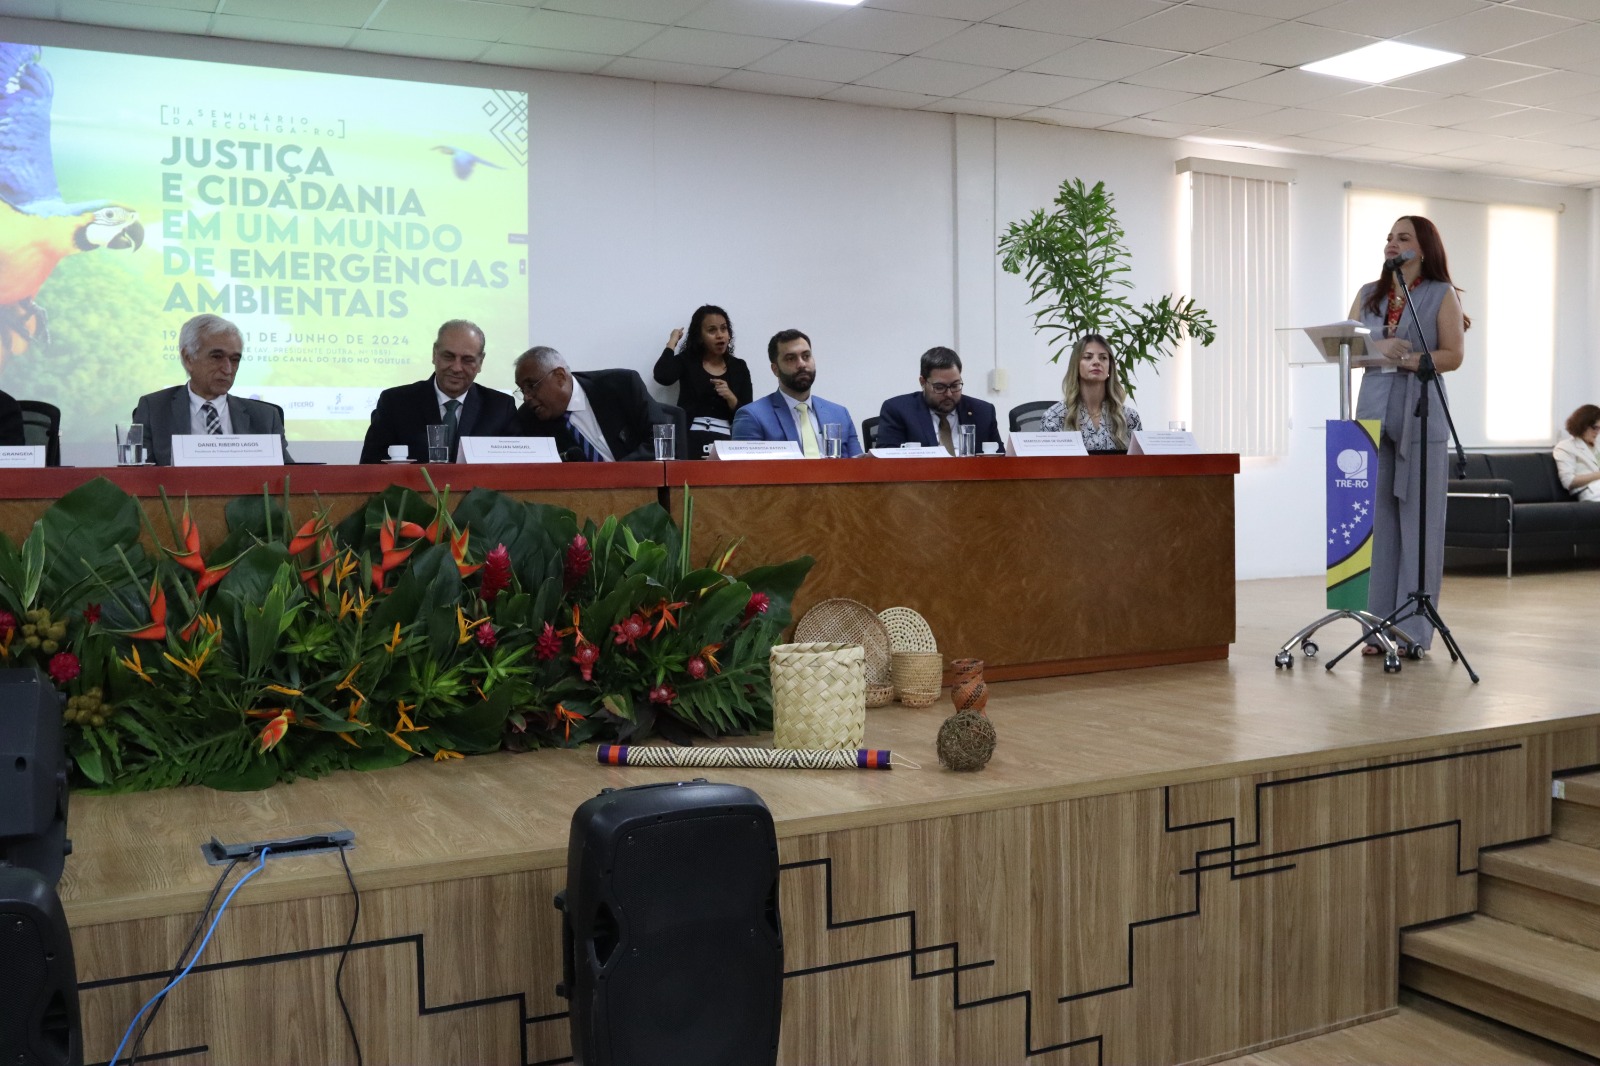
1576 460
712 382
1093 400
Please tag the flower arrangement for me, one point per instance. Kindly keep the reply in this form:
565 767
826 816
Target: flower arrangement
406 630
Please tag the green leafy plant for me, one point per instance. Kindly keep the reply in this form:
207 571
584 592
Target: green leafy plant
1074 263
288 651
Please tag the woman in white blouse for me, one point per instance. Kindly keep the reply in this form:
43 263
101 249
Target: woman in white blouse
1576 461
1092 399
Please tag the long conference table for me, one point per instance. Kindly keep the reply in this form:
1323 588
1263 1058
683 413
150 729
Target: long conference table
1038 566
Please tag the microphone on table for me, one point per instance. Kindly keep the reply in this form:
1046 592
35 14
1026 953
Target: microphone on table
1400 260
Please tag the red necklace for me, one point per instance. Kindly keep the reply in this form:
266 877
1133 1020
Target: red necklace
1397 305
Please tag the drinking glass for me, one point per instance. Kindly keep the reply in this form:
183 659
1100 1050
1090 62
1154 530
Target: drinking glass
131 449
666 438
966 440
439 444
832 440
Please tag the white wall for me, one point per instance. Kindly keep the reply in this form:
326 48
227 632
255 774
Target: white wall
873 230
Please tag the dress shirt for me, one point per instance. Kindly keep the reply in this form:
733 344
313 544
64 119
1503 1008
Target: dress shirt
953 418
1574 457
583 417
197 417
811 412
442 399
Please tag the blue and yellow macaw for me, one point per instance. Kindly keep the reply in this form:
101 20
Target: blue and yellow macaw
37 229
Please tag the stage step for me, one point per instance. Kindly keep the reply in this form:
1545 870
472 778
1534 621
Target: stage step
1545 985
1576 817
1552 887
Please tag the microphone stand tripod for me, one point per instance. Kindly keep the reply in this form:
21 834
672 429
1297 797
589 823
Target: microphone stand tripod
1419 604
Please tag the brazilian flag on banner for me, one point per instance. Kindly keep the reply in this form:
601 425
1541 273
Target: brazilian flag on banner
1352 479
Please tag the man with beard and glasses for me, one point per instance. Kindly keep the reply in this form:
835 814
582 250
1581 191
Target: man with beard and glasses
792 413
930 417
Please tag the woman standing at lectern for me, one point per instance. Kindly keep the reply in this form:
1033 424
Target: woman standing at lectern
1414 260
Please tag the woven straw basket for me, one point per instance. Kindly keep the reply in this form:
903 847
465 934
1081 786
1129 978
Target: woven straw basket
917 676
818 696
845 621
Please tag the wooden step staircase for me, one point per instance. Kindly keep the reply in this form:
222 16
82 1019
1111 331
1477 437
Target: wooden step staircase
1530 956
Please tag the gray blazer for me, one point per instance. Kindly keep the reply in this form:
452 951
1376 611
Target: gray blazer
166 412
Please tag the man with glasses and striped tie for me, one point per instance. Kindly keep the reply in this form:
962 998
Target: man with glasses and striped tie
595 416
211 349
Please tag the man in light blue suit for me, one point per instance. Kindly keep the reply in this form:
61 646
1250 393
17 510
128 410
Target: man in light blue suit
792 413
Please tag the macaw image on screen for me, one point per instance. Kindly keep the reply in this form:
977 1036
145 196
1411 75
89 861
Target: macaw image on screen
37 228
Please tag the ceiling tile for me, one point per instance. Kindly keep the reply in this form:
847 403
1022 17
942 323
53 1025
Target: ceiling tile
1570 158
784 21
998 46
1200 74
866 94
1521 123
1035 90
1372 154
208 6
1488 30
1080 18
580 33
448 18
103 13
1469 76
1494 150
1583 105
1079 119
306 33
658 11
1212 111
884 31
750 81
1190 29
971 10
1292 121
1307 145
801 60
1365 16
425 45
1280 9
1421 139
962 105
1577 9
326 12
1103 60
1288 87
705 47
1361 130
1576 49
1452 109
516 55
1372 101
1126 100
657 70
1544 89
933 77
1289 44
1149 127
33 9
1585 134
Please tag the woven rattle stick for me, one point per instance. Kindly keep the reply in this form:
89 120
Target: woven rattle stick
746 758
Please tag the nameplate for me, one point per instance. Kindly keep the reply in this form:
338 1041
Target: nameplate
1067 442
919 452
22 457
755 449
227 449
1163 442
508 450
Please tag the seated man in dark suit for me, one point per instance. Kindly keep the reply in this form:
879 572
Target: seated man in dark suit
596 416
211 349
930 417
451 397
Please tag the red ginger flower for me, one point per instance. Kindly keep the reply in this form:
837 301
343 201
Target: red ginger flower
8 625
64 667
630 630
662 694
759 601
585 655
487 637
91 615
548 646
497 576
697 668
579 559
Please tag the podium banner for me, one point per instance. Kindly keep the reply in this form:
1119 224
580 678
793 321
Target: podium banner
1352 471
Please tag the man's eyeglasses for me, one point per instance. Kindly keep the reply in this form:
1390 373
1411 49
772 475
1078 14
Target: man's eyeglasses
941 388
528 388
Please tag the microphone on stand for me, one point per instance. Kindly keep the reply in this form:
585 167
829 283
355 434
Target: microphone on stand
1400 260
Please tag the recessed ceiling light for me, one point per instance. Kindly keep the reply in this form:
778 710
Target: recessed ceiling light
1384 61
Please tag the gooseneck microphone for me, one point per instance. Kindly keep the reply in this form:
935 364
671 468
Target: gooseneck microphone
1400 260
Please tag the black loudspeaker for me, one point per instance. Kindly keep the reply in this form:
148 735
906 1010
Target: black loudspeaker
39 1023
33 776
674 947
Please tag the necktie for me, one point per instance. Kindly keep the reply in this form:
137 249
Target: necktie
450 409
591 454
944 435
808 434
213 422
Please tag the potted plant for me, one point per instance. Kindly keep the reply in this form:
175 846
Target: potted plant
1074 262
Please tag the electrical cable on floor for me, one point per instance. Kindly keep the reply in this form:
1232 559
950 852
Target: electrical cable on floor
199 924
338 976
261 864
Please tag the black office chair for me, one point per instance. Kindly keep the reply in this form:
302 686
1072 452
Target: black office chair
41 424
869 432
680 418
1025 417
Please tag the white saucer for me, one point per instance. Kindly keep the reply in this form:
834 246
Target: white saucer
399 460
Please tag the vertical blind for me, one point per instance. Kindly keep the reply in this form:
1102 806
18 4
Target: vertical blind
1239 261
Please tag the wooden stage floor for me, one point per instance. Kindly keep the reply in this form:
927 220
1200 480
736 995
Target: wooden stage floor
1183 735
